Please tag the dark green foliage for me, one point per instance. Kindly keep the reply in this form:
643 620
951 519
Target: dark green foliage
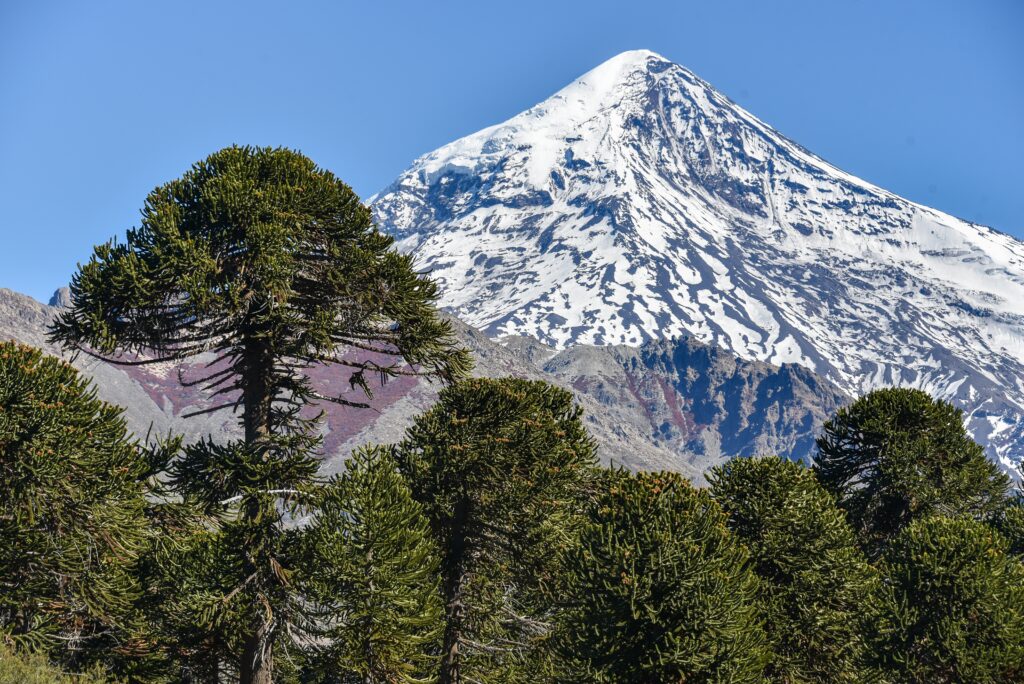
659 590
897 455
499 467
816 586
222 559
371 570
272 265
220 579
956 612
72 519
190 573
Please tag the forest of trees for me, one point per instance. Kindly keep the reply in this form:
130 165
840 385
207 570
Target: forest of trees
490 545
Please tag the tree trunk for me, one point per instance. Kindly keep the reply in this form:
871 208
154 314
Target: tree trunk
257 388
257 660
455 608
257 666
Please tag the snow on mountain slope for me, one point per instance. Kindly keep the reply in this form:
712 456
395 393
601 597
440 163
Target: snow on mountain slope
639 203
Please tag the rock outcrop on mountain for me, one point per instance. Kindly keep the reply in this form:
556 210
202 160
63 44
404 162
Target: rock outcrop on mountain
692 398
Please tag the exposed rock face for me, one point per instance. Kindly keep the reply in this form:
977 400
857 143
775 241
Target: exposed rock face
640 204
696 399
61 297
678 405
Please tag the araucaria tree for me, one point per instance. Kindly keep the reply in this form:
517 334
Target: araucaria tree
659 590
371 575
956 611
499 467
896 455
72 520
269 265
816 588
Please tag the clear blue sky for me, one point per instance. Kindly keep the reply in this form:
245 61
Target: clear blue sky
102 101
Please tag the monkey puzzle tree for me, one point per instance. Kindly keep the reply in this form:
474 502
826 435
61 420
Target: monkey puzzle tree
371 575
72 521
658 590
816 587
956 611
896 455
498 467
271 265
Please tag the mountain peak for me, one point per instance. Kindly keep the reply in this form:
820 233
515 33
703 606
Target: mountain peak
639 56
638 203
597 103
617 68
61 297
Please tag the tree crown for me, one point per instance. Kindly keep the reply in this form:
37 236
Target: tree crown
956 611
896 455
72 519
260 249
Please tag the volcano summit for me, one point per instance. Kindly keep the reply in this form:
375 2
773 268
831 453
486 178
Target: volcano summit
638 203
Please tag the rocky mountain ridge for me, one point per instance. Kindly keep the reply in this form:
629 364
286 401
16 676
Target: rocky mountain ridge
678 404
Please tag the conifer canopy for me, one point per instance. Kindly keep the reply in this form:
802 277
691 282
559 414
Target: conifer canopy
72 520
956 607
263 258
816 588
659 589
499 467
896 455
370 571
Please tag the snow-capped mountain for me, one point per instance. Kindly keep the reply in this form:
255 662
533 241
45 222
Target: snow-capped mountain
639 203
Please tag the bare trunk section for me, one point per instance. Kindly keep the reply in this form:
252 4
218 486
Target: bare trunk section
257 660
257 389
455 607
257 663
